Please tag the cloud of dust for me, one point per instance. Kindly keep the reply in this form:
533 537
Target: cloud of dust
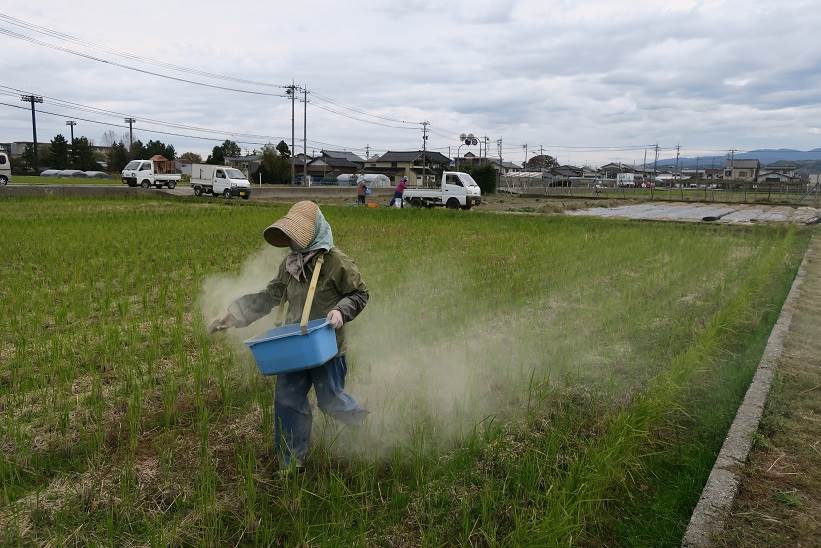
414 369
445 378
220 290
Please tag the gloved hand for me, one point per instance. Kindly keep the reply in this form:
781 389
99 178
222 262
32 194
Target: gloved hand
335 318
222 323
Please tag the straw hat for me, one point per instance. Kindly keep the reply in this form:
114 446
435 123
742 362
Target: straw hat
298 225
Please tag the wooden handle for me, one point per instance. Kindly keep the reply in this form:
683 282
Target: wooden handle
306 310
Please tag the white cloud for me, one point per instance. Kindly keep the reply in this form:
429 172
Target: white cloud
705 74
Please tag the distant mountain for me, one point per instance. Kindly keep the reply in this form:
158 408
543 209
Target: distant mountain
765 156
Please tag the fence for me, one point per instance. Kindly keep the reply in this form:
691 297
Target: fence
534 184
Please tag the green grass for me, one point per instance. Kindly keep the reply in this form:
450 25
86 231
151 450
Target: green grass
532 380
38 180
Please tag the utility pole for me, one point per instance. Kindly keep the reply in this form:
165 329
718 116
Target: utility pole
732 171
33 99
71 124
305 136
486 139
644 167
525 147
499 171
678 149
291 91
656 164
367 151
130 121
424 149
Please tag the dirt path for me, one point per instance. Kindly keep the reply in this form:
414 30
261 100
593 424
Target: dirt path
779 499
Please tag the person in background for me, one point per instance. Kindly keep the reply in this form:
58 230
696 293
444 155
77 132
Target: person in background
400 190
361 191
340 297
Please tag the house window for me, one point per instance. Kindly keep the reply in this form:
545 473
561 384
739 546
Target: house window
742 173
393 164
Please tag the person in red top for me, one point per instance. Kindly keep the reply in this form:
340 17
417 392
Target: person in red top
361 191
400 190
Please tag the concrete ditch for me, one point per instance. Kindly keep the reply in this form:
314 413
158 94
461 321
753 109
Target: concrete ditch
720 490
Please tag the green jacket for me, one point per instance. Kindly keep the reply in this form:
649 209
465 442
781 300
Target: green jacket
340 287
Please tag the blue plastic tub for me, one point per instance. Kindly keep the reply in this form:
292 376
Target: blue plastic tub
285 349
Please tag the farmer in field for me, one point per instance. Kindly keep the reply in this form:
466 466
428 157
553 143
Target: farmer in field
400 190
340 297
361 191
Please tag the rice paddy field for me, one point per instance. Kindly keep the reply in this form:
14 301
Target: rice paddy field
532 380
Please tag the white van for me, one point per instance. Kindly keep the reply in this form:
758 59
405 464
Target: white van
5 169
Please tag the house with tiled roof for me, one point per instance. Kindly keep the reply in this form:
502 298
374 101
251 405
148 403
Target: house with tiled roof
742 170
409 163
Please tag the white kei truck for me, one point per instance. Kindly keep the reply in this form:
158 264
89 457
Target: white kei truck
219 181
457 190
5 169
148 173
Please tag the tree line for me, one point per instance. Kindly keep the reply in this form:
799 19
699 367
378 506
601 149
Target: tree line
274 162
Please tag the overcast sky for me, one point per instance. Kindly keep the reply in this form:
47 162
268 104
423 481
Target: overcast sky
709 75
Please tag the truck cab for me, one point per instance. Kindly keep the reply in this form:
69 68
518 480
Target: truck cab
219 181
229 181
456 190
626 180
462 187
148 173
5 169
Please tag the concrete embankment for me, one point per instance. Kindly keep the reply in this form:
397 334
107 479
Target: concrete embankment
274 193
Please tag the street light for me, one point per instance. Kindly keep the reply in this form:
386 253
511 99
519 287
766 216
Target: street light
468 140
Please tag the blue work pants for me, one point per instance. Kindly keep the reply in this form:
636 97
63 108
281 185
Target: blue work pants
292 412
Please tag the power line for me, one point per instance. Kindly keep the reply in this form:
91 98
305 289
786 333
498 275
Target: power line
351 117
97 45
311 142
70 38
73 39
95 110
63 37
360 111
62 115
131 67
